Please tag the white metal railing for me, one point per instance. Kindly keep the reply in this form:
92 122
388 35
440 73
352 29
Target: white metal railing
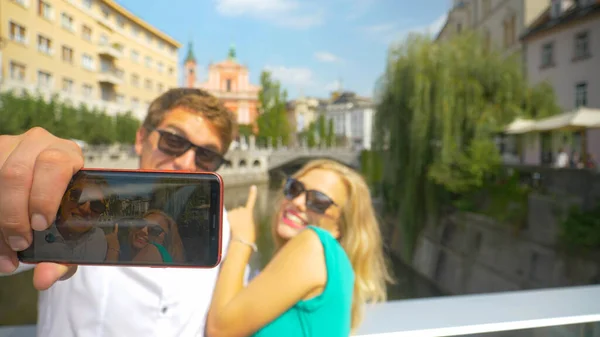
465 315
470 314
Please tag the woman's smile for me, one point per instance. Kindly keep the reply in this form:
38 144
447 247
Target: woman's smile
293 219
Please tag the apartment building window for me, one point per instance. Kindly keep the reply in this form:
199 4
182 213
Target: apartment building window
135 80
547 55
135 31
44 10
135 102
105 12
148 38
44 45
86 3
17 33
148 84
161 45
87 62
67 54
103 40
106 93
510 31
160 67
160 87
171 71
148 62
556 8
582 45
120 22
135 56
17 71
581 94
86 32
44 79
87 90
67 85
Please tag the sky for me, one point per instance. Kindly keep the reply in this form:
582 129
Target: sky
311 46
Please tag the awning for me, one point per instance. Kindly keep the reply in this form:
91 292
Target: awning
520 125
581 118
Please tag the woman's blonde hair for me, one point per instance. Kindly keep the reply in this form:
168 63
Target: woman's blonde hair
173 242
360 237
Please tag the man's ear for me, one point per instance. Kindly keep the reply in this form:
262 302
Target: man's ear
140 136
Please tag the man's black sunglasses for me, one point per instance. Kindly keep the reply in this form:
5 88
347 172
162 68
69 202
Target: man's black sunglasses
316 201
175 145
96 206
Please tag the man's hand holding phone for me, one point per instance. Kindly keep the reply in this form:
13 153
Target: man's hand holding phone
35 170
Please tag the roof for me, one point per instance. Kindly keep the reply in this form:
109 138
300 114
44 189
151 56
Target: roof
573 14
350 97
190 54
129 15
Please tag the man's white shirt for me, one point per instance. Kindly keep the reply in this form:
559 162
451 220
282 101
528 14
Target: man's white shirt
130 301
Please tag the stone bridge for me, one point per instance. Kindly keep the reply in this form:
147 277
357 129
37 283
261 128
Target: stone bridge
245 166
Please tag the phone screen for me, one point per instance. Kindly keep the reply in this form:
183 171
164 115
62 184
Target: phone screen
135 218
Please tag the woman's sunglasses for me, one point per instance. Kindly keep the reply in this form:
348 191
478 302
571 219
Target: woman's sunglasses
175 145
96 206
316 201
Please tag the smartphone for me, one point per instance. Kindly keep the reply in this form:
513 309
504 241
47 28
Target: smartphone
135 218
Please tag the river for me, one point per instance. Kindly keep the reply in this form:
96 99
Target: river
408 284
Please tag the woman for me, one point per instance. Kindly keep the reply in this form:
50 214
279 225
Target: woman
156 239
328 262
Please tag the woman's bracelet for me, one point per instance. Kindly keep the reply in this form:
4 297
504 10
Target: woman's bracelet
252 245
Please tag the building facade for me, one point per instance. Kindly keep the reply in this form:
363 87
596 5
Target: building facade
305 111
352 117
500 22
86 51
563 48
229 81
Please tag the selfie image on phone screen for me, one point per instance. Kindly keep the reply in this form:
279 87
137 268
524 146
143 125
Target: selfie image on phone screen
134 218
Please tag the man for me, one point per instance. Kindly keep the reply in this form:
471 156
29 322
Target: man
73 236
185 129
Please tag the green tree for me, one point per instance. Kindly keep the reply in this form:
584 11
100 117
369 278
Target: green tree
438 108
322 127
273 121
330 133
18 113
311 135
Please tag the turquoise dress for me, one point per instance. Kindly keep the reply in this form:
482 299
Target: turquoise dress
163 253
328 314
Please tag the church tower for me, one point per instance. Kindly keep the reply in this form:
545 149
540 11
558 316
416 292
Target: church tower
190 67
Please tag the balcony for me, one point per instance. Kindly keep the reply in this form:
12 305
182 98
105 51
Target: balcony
110 50
110 77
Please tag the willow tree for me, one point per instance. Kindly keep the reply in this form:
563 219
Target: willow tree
439 106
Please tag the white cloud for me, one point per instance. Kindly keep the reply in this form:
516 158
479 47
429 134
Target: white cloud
292 77
325 56
391 32
287 13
